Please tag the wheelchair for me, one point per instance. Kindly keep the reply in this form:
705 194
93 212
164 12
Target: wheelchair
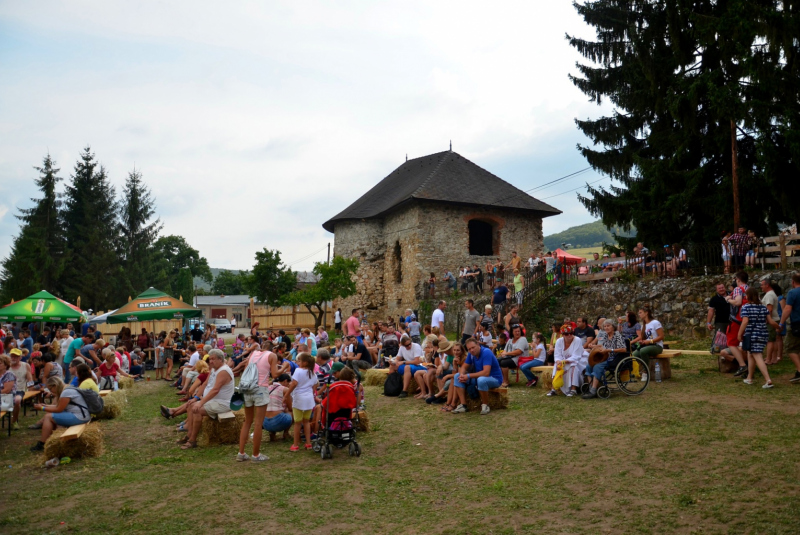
625 373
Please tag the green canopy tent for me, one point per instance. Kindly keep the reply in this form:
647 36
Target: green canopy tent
152 305
41 306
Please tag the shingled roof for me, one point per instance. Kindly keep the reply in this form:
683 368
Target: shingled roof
444 177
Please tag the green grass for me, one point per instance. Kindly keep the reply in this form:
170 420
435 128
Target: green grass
698 453
585 252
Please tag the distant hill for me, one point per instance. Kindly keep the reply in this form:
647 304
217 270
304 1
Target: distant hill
200 283
588 235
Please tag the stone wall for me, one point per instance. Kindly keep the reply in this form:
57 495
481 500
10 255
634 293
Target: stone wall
398 253
681 304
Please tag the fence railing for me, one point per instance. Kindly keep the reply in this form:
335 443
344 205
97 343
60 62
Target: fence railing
695 259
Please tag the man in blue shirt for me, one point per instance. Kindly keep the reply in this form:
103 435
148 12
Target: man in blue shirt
791 310
485 374
27 343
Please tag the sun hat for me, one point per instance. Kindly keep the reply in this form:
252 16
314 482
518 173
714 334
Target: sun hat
445 346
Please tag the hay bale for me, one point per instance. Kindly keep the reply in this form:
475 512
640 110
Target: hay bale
363 421
546 379
215 432
126 383
374 377
113 404
498 399
89 444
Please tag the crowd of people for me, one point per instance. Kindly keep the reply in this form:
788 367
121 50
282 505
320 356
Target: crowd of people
750 325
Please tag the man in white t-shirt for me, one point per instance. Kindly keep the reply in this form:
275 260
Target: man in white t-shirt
437 320
337 321
408 362
215 400
770 300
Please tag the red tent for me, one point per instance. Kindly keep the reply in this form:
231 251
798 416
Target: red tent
566 258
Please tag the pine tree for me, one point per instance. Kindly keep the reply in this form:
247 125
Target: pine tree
93 268
681 76
36 261
137 236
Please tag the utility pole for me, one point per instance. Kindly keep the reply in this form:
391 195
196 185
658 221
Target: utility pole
325 313
735 176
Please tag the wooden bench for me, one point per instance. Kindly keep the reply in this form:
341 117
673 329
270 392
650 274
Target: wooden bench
73 432
104 393
663 361
667 344
30 394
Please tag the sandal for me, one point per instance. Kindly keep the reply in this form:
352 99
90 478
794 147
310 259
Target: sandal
189 445
447 408
183 440
165 412
35 426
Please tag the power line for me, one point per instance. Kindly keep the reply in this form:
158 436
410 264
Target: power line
290 264
576 189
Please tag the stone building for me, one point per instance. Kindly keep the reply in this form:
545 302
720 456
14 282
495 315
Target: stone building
431 214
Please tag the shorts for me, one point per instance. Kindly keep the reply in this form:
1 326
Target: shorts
258 399
507 362
215 407
276 424
772 333
190 377
338 327
301 416
792 343
414 368
733 335
751 253
67 419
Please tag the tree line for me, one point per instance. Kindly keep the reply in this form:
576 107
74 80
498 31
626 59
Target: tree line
87 242
702 92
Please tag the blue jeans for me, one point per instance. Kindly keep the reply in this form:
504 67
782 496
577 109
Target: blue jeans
484 383
597 371
526 368
278 423
67 419
67 377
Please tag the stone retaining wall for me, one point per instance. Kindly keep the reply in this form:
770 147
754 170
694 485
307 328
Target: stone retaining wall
681 304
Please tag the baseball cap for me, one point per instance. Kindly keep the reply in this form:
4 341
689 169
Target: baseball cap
337 367
15 351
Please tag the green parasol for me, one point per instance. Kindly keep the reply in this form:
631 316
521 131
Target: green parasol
41 306
152 305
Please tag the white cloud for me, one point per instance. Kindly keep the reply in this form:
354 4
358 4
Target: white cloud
254 123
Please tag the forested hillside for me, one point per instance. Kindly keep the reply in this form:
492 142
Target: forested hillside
588 235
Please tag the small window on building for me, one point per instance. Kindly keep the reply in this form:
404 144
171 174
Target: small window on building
398 263
480 238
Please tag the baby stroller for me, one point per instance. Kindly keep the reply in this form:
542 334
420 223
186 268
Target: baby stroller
339 421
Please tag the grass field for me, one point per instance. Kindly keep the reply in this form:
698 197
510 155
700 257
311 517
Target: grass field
700 453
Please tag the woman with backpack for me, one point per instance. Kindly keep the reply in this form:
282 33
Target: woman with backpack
69 409
254 385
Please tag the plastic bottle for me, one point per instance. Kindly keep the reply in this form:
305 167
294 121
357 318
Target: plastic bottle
658 372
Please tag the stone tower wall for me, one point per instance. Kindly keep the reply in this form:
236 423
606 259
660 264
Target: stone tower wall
432 237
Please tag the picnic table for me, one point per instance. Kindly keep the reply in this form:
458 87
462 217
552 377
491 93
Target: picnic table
30 394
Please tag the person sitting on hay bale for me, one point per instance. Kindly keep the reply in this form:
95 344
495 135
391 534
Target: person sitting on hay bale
569 350
216 398
446 369
442 357
188 372
356 355
109 369
69 408
194 391
485 375
408 362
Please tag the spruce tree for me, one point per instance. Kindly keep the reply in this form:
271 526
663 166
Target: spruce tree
683 76
93 269
138 234
36 261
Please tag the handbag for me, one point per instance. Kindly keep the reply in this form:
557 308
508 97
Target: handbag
720 342
558 378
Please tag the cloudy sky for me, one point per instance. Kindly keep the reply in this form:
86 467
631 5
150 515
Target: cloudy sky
254 122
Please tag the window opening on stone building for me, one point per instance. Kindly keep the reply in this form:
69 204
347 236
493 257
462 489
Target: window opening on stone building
481 235
398 263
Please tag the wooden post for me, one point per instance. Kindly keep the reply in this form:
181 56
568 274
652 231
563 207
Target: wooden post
252 311
294 315
78 302
782 241
735 175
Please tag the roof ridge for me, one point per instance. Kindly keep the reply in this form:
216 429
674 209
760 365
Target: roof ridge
425 182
